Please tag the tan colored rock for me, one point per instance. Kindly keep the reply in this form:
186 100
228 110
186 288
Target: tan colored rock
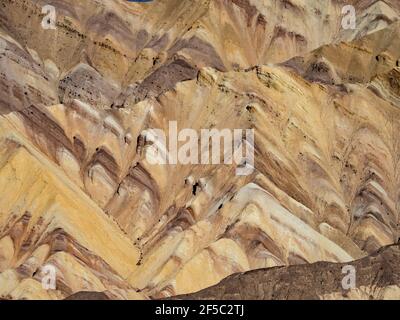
78 192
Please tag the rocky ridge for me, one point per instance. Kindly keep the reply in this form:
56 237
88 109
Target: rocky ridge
79 194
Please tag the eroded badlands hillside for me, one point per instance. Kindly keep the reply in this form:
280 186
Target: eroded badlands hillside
77 190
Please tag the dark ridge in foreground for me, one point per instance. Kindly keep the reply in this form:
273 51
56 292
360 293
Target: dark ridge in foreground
376 276
88 295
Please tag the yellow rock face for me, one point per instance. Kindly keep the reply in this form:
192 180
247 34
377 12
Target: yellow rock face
78 192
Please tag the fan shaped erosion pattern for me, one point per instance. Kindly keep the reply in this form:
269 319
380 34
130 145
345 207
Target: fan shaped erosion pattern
78 193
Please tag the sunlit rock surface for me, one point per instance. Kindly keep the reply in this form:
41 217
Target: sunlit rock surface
78 192
378 278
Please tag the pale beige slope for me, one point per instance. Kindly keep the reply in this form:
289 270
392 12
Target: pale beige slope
326 184
37 192
133 45
322 167
331 165
359 61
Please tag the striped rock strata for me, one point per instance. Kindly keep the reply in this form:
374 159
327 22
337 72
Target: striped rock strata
78 192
